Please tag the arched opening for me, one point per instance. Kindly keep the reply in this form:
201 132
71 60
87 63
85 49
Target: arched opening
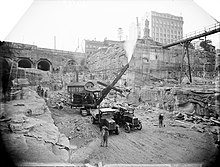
71 63
43 65
71 66
24 63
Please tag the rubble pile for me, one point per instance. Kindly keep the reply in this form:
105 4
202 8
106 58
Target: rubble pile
83 131
205 102
107 60
58 96
160 97
30 133
200 108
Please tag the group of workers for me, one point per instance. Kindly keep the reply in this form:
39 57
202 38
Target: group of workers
41 92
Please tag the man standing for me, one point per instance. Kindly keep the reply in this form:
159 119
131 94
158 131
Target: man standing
104 135
161 120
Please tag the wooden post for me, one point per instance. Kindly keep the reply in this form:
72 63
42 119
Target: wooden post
181 72
189 67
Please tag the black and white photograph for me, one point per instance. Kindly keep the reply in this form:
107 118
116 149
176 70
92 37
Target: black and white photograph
110 83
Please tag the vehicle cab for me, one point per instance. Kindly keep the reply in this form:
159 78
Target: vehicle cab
83 94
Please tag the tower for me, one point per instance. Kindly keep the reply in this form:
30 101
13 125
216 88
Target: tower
146 29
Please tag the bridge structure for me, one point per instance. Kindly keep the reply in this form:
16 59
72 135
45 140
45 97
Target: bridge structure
186 40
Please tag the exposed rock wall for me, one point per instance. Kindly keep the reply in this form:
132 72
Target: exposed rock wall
30 135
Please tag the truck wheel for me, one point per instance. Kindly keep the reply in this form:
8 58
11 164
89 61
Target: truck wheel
139 126
117 130
88 111
127 128
93 120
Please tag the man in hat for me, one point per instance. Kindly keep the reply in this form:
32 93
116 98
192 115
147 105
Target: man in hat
104 135
160 120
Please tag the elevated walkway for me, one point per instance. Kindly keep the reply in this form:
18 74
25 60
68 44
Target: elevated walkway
209 30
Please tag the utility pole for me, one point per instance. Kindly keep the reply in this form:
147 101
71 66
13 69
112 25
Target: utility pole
120 33
138 29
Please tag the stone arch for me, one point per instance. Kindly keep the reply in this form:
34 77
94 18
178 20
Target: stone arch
71 63
25 63
44 64
70 66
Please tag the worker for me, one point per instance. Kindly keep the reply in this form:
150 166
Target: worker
42 92
104 136
161 117
46 93
39 90
217 142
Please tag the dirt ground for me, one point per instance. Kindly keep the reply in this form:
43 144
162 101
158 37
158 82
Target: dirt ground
173 143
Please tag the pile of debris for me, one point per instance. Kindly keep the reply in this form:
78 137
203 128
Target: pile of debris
106 62
58 96
205 102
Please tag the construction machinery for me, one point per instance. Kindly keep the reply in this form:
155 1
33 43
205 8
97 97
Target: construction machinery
104 117
86 97
125 117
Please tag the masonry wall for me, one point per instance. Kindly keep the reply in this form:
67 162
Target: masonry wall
57 58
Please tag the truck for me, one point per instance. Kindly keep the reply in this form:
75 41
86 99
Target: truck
104 117
85 96
125 117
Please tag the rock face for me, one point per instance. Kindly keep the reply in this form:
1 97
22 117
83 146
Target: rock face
30 135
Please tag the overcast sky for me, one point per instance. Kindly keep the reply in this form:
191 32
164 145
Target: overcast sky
38 21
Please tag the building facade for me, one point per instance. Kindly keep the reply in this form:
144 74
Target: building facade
92 46
165 28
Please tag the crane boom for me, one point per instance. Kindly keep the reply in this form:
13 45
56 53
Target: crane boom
105 91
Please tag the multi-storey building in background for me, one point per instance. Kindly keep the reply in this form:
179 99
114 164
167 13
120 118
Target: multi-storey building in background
91 46
165 28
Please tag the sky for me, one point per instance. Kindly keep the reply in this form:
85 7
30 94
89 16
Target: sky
65 24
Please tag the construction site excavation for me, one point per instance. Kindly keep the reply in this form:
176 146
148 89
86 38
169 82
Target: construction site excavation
133 102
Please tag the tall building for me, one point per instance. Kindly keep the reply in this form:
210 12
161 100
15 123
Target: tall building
165 28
